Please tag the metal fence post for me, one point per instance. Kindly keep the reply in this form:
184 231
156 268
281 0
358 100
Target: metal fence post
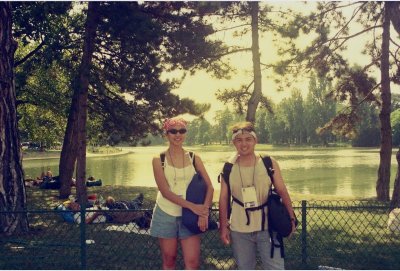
304 232
82 226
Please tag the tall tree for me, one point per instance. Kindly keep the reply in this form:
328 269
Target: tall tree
69 152
255 50
125 89
383 182
12 188
79 129
325 54
246 101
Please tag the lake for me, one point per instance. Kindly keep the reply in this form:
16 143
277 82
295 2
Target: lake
324 171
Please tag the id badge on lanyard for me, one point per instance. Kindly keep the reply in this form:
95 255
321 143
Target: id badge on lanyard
249 197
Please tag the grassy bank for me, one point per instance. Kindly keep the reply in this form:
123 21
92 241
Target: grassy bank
48 199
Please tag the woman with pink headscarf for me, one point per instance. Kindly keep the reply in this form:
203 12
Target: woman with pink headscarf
173 176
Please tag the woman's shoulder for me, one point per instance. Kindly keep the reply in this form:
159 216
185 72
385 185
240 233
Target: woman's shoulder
193 155
159 155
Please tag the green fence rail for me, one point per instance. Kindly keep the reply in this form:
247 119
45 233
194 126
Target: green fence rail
337 234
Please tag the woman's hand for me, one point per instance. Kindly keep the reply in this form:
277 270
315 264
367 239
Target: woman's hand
203 223
293 220
200 210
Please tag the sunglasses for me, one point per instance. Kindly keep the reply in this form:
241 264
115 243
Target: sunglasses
175 131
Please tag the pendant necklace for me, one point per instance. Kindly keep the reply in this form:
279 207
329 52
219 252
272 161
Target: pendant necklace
173 165
254 170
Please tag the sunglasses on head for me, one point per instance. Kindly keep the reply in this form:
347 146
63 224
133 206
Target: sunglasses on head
175 131
243 130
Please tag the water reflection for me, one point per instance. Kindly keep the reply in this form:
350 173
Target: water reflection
342 172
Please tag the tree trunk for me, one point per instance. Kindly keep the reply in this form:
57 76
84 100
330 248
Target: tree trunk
383 182
88 49
257 92
395 202
74 146
12 188
70 148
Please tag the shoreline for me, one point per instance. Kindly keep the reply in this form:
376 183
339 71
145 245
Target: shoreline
88 154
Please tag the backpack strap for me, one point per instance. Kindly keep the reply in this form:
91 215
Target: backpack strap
275 245
162 158
226 171
248 210
268 165
192 157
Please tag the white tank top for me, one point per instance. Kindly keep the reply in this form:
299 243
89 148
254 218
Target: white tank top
178 180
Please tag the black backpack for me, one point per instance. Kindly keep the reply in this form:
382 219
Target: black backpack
226 171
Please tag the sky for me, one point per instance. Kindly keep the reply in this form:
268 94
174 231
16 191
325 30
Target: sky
201 87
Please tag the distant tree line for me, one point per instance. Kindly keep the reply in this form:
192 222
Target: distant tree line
295 120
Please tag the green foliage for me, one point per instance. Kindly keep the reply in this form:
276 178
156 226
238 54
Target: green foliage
319 110
199 131
47 26
354 88
395 123
261 126
223 118
43 98
395 101
135 44
239 97
368 128
41 126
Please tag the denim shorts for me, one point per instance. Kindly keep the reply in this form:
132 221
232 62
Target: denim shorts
164 225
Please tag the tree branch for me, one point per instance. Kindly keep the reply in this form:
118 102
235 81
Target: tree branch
228 53
25 58
230 28
333 8
348 22
398 45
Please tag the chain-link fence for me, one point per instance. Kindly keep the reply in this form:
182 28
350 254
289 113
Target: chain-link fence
337 234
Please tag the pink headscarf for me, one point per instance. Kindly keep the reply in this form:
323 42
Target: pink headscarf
176 121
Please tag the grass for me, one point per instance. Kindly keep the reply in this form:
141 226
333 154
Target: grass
343 234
